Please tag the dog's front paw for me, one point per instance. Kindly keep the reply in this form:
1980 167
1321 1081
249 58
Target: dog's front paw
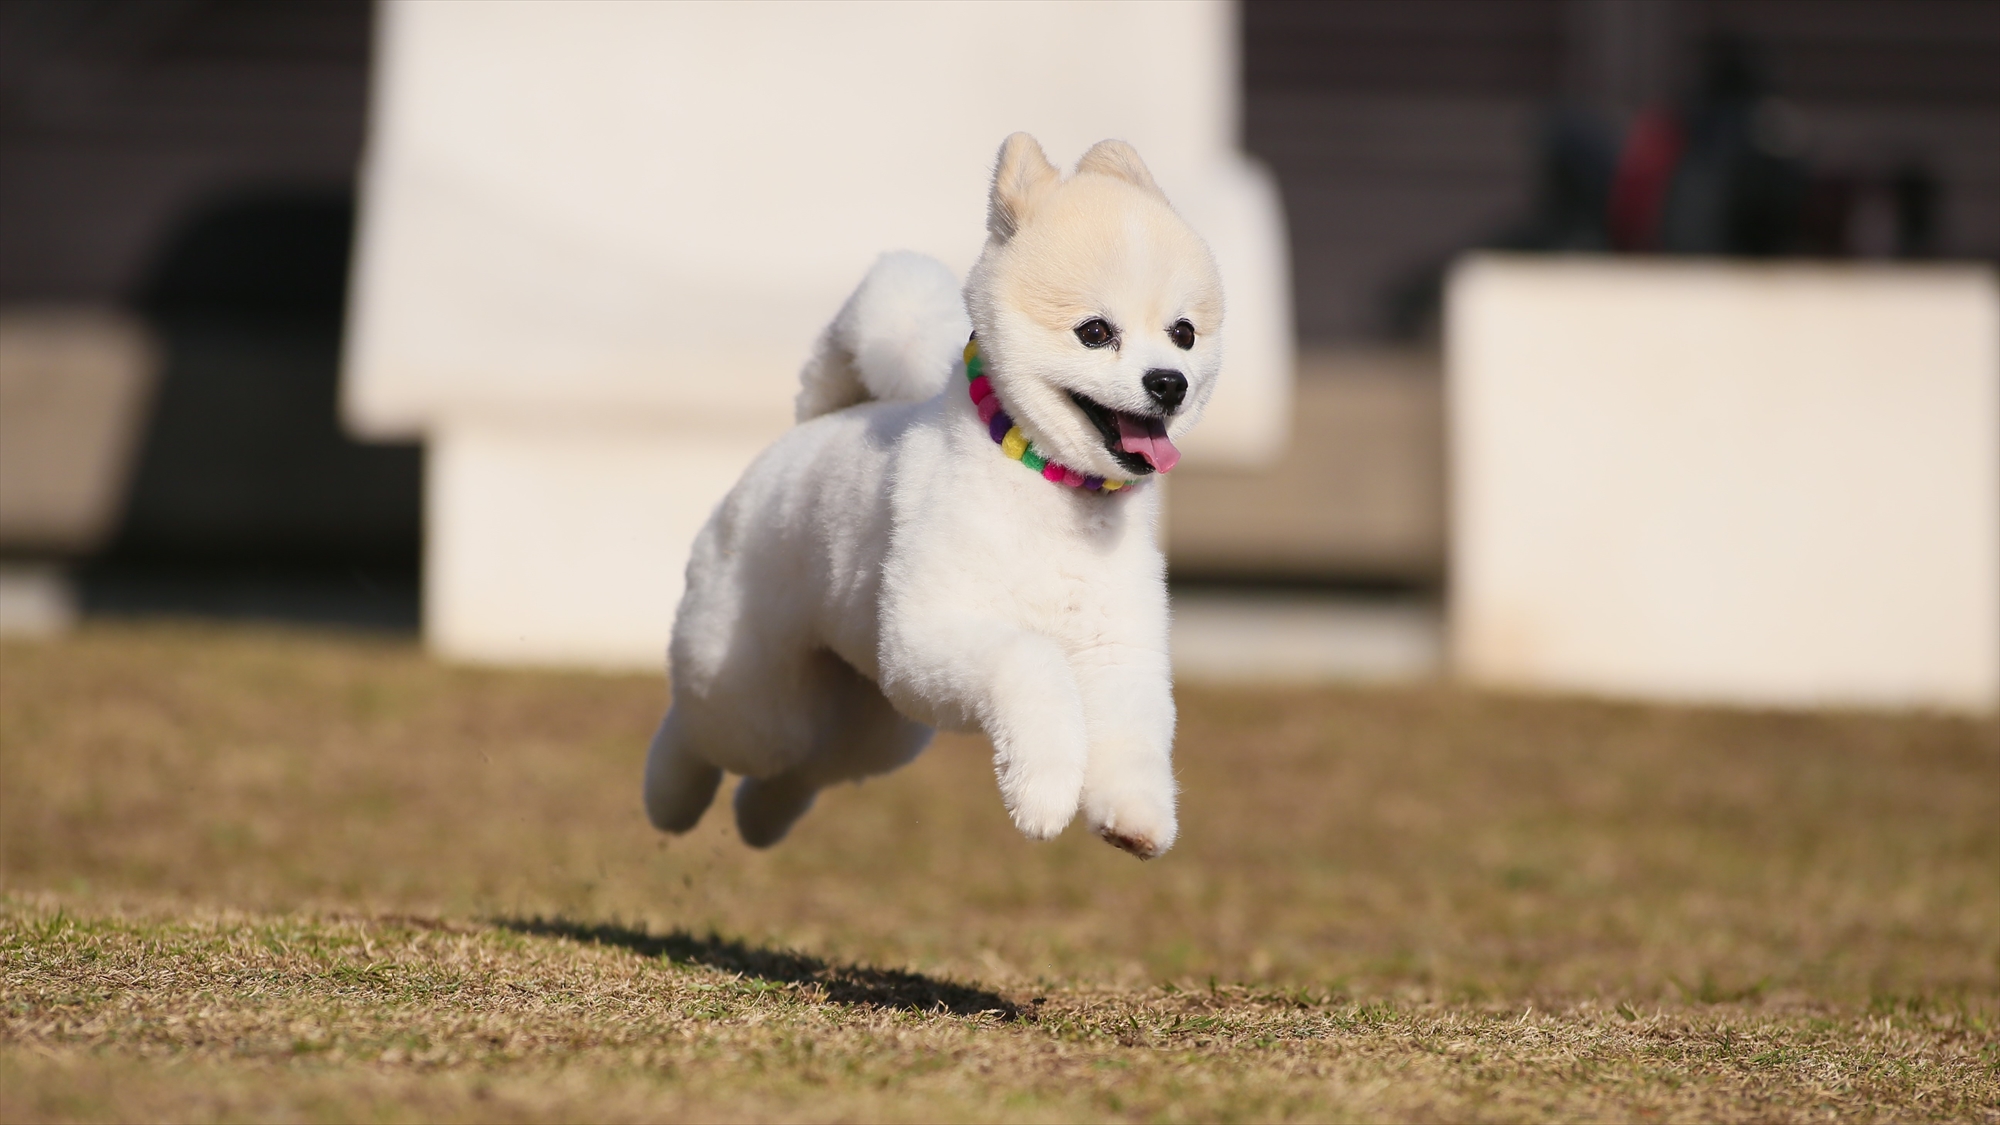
1041 806
1145 827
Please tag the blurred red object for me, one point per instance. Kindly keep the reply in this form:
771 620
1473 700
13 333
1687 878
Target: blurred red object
1645 173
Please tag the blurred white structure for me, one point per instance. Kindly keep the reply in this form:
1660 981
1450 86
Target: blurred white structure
1762 484
36 600
75 387
597 240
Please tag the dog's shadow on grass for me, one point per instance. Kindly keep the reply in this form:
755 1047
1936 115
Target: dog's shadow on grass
861 985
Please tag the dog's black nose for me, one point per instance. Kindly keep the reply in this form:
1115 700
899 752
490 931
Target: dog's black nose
1167 387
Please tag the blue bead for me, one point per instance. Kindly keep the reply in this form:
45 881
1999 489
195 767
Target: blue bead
1000 425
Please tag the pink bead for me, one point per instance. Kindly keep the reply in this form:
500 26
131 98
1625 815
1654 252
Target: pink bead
1053 471
980 389
988 407
1072 478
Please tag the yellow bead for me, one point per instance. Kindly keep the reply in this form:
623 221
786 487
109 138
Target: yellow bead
1113 485
1014 444
971 349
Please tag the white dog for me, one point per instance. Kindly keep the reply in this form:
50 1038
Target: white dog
963 543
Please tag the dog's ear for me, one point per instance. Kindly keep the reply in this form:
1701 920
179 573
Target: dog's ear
1021 174
1116 158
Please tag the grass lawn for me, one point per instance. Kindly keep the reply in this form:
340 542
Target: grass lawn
256 875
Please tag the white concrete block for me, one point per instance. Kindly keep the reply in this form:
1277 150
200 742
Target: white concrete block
603 206
582 217
565 546
1768 484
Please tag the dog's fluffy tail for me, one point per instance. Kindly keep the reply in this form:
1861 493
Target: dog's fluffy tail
895 340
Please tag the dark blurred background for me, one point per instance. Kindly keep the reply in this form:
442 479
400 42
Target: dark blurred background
191 164
1403 134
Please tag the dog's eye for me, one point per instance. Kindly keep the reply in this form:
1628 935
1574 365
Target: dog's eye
1096 333
1182 334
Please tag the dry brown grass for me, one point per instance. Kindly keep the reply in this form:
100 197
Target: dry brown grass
253 875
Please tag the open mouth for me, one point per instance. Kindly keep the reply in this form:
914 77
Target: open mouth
1138 442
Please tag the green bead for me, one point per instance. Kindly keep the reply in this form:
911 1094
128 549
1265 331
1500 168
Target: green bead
1033 459
974 366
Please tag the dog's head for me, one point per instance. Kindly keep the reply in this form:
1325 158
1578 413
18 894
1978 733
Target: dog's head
1098 310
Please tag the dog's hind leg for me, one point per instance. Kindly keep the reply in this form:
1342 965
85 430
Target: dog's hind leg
680 783
767 807
857 734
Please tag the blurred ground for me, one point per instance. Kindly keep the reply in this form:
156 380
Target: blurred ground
268 875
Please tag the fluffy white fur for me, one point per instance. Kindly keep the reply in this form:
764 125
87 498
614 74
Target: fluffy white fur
895 340
884 569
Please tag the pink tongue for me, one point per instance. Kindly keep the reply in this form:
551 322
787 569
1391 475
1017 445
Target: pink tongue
1148 438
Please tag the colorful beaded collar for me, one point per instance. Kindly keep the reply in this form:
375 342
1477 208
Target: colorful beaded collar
1012 441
